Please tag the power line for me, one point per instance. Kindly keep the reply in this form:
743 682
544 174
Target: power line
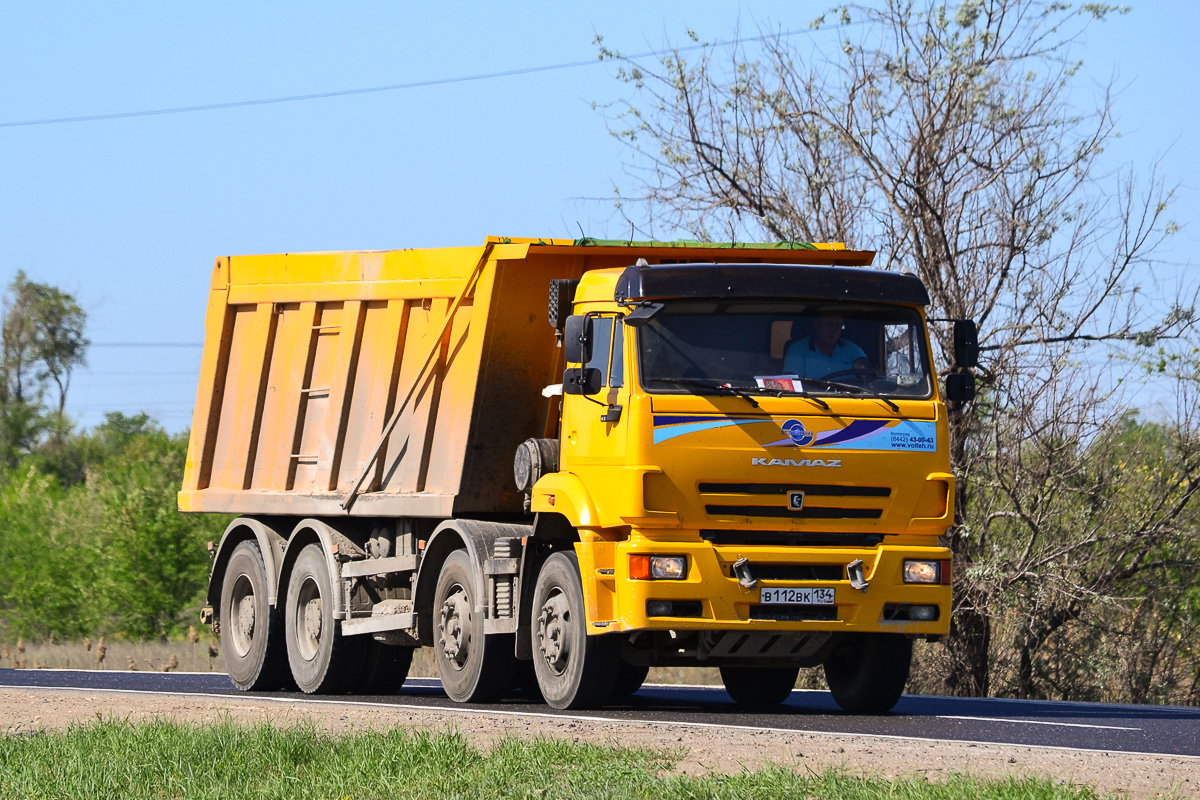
296 98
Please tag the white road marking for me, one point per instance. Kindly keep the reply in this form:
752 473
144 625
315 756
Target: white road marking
1039 722
478 712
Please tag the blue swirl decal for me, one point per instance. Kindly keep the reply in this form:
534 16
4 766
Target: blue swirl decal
860 434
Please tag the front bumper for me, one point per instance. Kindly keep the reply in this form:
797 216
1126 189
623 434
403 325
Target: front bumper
715 600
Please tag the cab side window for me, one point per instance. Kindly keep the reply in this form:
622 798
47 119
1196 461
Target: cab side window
608 350
617 376
602 329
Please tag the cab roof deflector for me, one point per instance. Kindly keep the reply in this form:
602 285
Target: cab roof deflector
802 281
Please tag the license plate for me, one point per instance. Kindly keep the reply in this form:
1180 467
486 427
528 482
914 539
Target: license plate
796 597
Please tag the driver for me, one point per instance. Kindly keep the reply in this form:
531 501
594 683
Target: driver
825 352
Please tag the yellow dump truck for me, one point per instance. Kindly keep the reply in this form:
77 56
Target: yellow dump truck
713 455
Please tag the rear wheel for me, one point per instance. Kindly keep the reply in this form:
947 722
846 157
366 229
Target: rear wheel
474 667
323 661
866 673
251 633
385 668
759 686
574 670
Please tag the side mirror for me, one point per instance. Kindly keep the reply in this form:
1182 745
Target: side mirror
966 343
577 339
960 387
581 380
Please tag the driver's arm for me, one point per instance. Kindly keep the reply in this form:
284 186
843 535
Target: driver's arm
855 355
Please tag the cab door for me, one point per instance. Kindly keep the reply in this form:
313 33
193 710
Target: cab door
594 426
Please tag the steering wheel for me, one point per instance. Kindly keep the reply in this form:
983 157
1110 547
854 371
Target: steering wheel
855 377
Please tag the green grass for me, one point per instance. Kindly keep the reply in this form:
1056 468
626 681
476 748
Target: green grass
107 759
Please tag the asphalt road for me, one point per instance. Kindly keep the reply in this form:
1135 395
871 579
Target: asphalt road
1157 730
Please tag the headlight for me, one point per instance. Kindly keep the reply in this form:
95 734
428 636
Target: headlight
671 568
922 571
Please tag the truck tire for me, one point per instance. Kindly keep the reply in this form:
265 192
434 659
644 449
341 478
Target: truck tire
322 660
866 673
759 686
574 670
251 633
629 679
385 668
474 667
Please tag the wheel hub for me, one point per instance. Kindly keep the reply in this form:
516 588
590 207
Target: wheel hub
454 621
245 617
312 619
241 611
553 620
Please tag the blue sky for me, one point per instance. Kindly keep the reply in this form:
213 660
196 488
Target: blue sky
129 214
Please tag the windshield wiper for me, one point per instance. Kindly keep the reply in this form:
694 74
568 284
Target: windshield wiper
853 388
709 384
745 391
797 392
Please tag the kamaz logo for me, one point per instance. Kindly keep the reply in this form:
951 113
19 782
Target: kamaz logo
792 462
800 436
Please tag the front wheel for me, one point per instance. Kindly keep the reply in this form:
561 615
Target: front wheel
574 670
866 673
474 667
251 634
323 661
759 686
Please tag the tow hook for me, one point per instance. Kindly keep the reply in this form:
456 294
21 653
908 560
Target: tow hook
741 571
854 571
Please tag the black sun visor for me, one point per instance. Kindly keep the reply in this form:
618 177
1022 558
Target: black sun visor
722 281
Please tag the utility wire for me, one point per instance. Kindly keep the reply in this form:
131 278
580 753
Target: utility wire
296 98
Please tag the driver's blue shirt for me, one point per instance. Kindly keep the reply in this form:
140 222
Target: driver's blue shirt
803 358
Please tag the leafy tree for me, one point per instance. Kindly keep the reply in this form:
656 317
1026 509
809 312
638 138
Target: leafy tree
108 553
48 559
153 563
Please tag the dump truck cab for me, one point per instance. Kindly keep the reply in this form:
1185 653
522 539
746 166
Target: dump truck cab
743 497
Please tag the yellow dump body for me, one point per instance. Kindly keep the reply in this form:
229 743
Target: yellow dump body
309 356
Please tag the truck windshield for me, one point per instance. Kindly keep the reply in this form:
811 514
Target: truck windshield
781 347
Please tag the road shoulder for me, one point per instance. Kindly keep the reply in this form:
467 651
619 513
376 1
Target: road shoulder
702 750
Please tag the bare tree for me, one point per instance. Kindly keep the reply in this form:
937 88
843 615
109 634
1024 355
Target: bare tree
946 137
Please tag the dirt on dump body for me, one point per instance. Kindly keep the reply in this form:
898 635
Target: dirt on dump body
705 749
